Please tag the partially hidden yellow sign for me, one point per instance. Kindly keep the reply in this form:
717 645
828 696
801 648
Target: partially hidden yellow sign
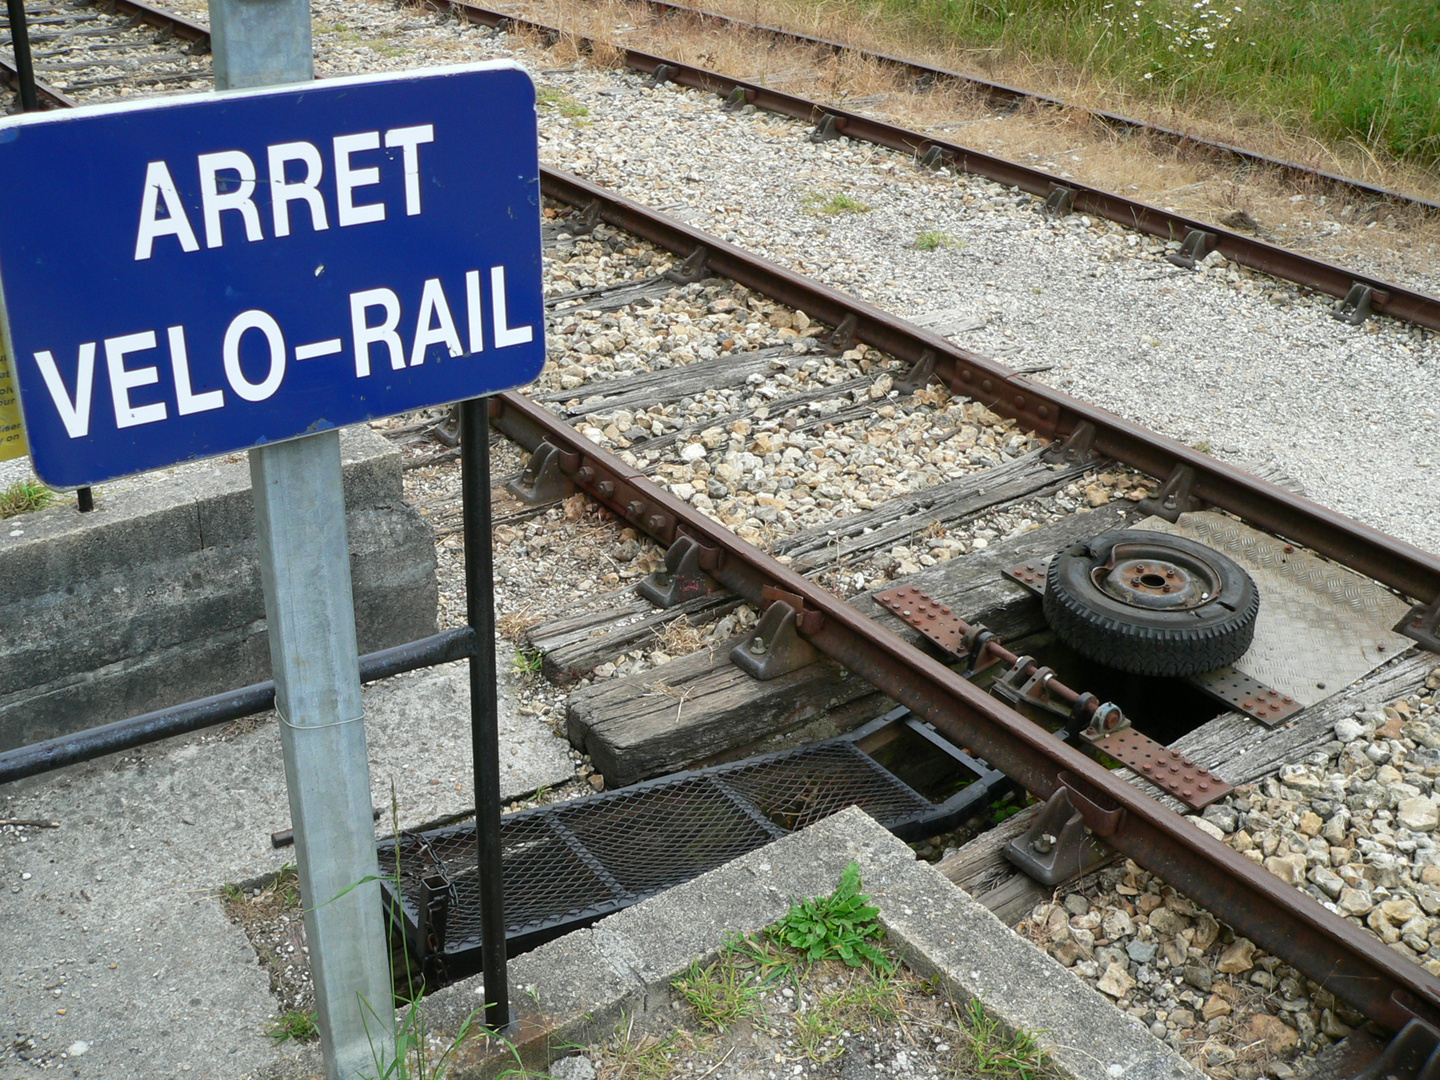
12 432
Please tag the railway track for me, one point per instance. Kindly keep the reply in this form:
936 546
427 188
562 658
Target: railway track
1006 98
1358 295
84 52
872 347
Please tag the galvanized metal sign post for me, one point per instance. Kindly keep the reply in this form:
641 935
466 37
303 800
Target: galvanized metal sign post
192 276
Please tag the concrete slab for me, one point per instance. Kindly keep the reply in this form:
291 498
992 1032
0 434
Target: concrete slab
574 991
418 732
113 934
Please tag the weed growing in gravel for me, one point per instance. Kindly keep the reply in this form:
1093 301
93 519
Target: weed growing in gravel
633 1056
721 995
297 1024
23 497
814 987
830 205
998 1052
842 926
527 662
931 239
547 97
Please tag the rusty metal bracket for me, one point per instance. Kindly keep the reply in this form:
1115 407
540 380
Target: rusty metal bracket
1031 575
1414 1054
583 222
1174 498
1169 770
547 476
919 375
1423 625
932 159
737 100
1077 449
1197 244
682 579
662 74
1247 694
827 130
437 894
693 269
1360 302
774 647
1057 847
1016 686
843 336
1059 202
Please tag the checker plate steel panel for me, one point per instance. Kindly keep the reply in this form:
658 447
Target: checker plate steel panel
1321 626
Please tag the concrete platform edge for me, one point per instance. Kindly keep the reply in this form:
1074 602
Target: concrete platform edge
575 990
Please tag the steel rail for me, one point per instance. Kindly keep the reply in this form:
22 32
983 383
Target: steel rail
161 19
1387 298
1000 94
1350 963
1047 411
49 96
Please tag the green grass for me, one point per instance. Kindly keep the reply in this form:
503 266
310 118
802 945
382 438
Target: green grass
1342 70
999 1053
295 1024
547 97
931 239
527 662
23 497
830 205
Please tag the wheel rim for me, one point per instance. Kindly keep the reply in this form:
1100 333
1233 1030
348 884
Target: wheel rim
1156 577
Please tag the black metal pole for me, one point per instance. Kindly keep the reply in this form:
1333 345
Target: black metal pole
484 703
86 499
20 45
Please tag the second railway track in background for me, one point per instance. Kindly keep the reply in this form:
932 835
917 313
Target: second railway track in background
84 51
792 390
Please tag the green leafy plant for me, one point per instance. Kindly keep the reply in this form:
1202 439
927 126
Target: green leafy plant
297 1024
22 497
842 925
527 662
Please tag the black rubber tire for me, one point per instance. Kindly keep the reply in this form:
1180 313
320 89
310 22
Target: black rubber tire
1148 642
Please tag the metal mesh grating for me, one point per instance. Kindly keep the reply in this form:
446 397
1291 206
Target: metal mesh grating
798 788
569 864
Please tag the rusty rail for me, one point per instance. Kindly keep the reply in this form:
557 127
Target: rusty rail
1049 412
1350 963
999 94
1384 297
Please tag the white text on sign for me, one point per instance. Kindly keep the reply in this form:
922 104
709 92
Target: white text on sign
228 186
379 327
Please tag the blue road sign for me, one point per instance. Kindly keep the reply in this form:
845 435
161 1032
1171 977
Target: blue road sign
191 276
